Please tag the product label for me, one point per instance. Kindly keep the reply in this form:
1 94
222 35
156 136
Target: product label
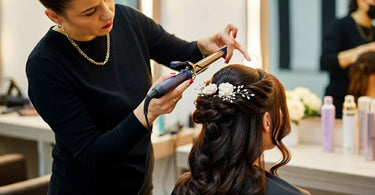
348 112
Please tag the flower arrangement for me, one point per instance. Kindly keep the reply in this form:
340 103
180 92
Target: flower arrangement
302 103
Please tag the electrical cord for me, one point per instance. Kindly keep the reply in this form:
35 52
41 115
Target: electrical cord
145 111
172 158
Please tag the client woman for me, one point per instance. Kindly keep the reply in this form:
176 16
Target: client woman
362 76
243 112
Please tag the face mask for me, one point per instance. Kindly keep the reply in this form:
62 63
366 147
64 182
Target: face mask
371 12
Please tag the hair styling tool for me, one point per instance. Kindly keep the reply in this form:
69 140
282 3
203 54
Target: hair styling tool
188 70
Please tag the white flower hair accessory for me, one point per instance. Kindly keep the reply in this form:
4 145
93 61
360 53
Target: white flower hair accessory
209 89
227 92
225 89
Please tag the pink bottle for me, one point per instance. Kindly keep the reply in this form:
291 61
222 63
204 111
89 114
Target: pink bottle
364 103
370 141
328 121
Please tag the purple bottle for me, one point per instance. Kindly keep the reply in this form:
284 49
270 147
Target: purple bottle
328 121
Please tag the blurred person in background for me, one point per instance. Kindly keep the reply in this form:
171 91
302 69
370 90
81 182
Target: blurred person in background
362 76
345 41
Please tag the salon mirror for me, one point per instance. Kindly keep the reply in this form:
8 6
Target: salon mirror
295 36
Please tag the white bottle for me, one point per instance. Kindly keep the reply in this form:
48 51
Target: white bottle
349 127
328 113
363 108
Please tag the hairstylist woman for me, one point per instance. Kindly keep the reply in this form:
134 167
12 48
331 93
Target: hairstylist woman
88 77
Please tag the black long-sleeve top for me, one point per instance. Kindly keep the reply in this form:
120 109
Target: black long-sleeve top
342 35
100 145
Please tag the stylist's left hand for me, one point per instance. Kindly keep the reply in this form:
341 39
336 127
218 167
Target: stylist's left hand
226 37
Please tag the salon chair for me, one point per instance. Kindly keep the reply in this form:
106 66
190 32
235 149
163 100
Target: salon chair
13 177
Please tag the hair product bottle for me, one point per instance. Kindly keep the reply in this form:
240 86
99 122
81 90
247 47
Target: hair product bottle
363 109
328 121
349 127
370 141
160 125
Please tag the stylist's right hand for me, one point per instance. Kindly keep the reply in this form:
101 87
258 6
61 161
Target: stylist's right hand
163 105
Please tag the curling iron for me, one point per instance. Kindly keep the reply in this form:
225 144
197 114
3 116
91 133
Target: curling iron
188 71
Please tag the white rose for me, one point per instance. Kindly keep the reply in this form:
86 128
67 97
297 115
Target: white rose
315 103
296 109
292 95
225 89
209 89
302 92
306 100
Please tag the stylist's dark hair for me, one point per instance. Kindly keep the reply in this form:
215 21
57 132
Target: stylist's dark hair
58 6
228 153
352 6
359 74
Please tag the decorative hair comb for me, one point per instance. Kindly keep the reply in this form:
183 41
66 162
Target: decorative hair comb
227 92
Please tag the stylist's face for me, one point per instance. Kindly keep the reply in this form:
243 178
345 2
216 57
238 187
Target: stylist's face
86 19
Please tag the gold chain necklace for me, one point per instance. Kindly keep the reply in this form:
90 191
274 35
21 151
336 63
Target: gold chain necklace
363 35
85 55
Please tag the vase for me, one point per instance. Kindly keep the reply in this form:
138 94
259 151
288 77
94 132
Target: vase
292 139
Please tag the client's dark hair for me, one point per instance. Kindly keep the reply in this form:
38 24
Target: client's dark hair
359 74
58 6
228 153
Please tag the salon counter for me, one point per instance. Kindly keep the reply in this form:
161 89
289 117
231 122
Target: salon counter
33 128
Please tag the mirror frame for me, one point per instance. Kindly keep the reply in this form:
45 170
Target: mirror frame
258 33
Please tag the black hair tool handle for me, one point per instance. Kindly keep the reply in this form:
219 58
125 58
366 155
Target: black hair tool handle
168 85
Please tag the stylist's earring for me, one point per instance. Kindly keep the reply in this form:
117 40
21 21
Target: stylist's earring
59 25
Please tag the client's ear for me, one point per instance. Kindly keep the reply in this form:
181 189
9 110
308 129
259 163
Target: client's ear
53 16
266 122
